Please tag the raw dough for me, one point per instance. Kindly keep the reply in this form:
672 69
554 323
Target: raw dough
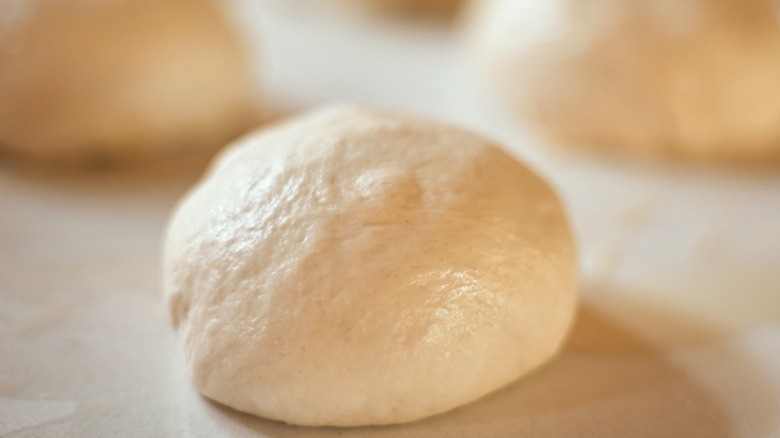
82 80
690 79
354 268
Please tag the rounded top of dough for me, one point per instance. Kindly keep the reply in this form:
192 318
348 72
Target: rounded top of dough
681 79
106 80
353 267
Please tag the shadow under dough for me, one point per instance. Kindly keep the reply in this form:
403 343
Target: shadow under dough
608 382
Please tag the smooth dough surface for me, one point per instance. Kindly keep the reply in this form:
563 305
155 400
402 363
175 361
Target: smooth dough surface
113 79
683 79
353 267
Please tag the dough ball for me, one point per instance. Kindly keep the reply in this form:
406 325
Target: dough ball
683 79
357 268
429 8
84 80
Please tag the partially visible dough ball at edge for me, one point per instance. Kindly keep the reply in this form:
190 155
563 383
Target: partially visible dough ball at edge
687 80
86 80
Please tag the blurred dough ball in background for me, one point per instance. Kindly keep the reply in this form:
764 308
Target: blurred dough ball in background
687 79
409 8
110 80
401 9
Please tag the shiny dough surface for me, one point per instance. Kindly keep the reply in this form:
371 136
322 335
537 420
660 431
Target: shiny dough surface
353 267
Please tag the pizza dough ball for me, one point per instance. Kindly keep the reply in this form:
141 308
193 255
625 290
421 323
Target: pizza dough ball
689 79
82 80
356 268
